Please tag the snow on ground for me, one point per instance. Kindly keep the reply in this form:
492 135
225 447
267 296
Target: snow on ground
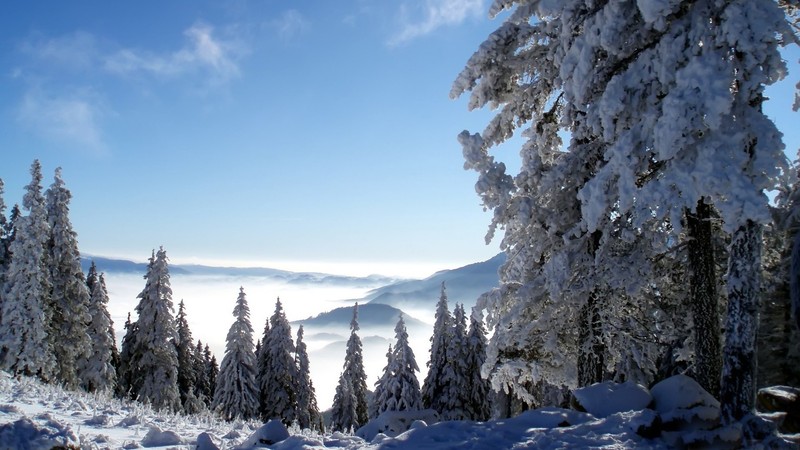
38 416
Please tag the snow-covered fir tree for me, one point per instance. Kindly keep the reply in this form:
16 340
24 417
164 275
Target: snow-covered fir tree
651 113
154 354
25 346
402 388
477 389
380 397
212 370
236 394
343 411
187 377
69 297
277 386
308 415
455 396
99 373
353 370
4 241
433 389
202 388
126 373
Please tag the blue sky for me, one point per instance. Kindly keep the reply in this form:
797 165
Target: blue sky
310 135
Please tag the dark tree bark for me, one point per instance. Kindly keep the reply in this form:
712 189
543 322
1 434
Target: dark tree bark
703 299
591 351
738 388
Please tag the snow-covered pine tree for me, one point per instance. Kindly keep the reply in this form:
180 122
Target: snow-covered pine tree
98 372
201 388
477 407
380 398
187 377
154 351
126 373
212 370
455 396
308 415
278 399
402 388
236 395
25 346
69 296
343 411
355 373
433 395
4 242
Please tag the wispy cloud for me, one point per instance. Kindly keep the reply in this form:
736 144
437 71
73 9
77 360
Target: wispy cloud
73 119
291 24
77 50
420 20
203 52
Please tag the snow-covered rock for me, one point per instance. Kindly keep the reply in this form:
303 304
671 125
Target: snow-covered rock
688 412
606 398
392 423
553 417
270 433
157 437
26 435
205 442
782 403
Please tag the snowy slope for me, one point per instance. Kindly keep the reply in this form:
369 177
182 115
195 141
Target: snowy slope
37 416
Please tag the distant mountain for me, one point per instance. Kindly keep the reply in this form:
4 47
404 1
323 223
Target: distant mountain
111 265
464 285
370 315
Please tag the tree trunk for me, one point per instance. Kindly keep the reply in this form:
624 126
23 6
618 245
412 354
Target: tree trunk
738 388
703 299
591 350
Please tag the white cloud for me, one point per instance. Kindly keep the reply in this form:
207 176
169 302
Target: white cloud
434 14
77 50
72 119
291 24
203 52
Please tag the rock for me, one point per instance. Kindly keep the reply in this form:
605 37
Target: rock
392 423
689 414
270 433
205 442
782 405
158 438
607 398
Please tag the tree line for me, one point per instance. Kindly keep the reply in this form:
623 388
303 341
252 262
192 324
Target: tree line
55 326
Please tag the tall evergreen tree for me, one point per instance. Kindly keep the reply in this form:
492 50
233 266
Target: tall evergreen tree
343 411
126 370
69 296
236 394
308 415
355 373
478 388
455 376
278 398
5 256
154 351
402 388
99 373
380 398
187 377
25 345
434 386
212 370
202 388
